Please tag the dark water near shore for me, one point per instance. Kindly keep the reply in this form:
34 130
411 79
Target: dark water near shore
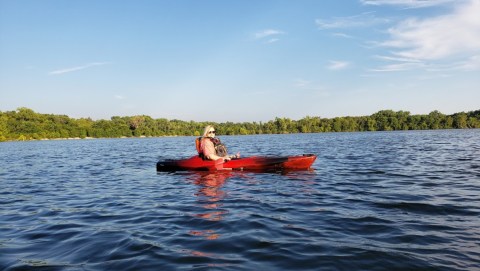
374 201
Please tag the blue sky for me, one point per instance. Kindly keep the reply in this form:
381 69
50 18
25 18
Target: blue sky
239 60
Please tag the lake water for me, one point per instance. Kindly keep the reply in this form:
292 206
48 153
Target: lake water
374 201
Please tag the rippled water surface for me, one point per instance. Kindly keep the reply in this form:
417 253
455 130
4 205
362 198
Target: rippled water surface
374 201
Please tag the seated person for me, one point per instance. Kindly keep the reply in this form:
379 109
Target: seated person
211 148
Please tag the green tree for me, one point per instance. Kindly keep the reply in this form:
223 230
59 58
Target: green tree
460 120
4 134
435 120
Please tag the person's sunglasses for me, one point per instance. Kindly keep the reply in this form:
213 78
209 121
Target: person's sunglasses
212 132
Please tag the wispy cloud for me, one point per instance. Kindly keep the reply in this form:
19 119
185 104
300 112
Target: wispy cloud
342 35
399 67
268 35
301 83
77 68
338 65
470 64
312 87
362 20
438 37
119 97
272 40
399 59
407 3
397 64
436 41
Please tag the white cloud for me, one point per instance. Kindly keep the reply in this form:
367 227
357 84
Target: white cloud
438 37
267 33
399 67
407 3
311 87
361 20
442 43
470 64
342 35
272 40
400 64
301 83
119 97
338 65
77 68
399 59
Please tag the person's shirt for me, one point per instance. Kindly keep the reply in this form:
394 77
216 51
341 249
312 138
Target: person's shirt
207 147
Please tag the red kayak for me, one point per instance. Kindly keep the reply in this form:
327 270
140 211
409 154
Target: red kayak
253 163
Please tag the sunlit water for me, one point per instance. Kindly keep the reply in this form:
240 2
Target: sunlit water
374 201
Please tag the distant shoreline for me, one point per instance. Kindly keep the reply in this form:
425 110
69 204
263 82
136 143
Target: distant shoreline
25 124
146 137
85 138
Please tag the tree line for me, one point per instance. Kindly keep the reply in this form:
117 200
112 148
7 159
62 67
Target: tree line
25 124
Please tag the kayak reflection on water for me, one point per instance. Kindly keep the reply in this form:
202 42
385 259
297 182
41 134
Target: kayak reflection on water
210 192
209 197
